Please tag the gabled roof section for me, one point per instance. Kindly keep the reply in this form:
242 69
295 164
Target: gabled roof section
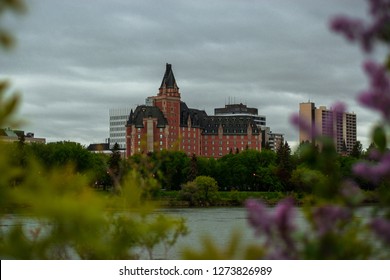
169 79
144 112
230 125
195 115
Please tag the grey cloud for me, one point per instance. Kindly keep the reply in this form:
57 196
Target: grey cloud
94 55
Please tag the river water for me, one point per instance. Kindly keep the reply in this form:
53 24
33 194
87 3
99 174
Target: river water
216 223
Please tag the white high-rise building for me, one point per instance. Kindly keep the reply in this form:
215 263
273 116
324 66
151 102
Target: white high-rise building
118 120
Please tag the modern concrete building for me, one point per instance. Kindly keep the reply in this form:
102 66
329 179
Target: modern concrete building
270 139
234 110
118 120
340 126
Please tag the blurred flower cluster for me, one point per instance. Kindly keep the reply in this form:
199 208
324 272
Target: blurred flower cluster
335 229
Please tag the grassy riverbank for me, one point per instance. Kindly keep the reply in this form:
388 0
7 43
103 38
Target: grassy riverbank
236 198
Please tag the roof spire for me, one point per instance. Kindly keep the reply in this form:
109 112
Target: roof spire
169 79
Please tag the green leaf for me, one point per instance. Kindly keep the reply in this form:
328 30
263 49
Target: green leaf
379 137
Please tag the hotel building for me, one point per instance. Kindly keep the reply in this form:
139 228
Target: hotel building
166 122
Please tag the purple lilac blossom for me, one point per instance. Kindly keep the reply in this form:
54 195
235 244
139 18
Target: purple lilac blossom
303 125
377 7
277 227
351 28
326 217
339 107
283 219
382 228
351 192
283 215
378 96
356 30
374 154
258 216
374 172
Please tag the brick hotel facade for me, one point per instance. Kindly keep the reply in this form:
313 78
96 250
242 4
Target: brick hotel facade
166 122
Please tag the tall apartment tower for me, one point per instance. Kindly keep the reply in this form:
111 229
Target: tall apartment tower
340 126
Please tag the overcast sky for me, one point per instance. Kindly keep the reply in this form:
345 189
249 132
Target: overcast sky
76 59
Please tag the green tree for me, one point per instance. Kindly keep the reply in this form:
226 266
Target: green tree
193 168
173 167
189 192
203 191
208 189
265 179
357 150
303 179
115 167
59 154
284 164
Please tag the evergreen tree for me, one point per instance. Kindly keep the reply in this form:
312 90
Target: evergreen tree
357 150
284 164
193 168
114 166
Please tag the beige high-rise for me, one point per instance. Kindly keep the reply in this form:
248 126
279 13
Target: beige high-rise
340 126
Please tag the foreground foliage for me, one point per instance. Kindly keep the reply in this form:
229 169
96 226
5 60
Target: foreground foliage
48 209
59 215
335 227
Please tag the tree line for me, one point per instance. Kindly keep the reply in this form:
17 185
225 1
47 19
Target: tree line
247 170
